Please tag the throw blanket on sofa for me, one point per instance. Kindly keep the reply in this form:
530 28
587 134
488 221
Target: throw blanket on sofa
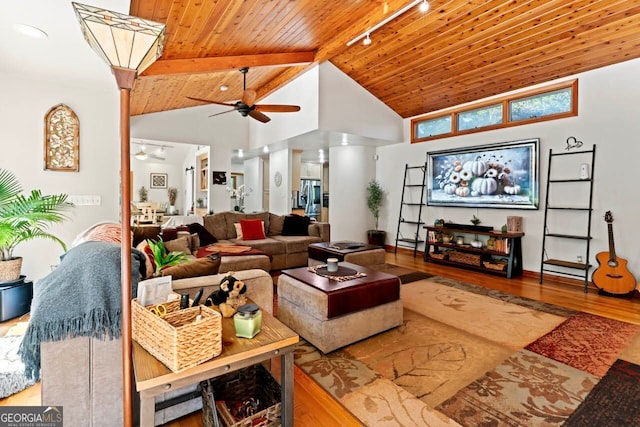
225 249
80 298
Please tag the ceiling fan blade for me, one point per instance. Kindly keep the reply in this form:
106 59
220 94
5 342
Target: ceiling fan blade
224 112
249 97
208 101
275 108
259 116
155 156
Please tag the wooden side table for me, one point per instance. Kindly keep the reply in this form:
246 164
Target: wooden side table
275 339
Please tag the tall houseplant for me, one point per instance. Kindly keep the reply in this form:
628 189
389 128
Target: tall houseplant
374 202
24 218
172 192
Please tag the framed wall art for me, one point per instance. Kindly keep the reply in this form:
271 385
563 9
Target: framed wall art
219 177
61 139
503 175
158 180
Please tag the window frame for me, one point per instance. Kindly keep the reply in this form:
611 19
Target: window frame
505 101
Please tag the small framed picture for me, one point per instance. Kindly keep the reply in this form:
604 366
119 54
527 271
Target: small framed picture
219 178
158 180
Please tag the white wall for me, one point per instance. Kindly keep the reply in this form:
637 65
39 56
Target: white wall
352 168
302 91
219 160
347 107
253 180
24 105
607 118
279 197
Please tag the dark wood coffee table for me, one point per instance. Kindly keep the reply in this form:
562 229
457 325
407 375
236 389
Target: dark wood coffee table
353 252
331 314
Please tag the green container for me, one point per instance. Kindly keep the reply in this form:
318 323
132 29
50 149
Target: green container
248 320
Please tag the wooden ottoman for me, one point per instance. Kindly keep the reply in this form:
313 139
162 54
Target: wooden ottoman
331 314
353 252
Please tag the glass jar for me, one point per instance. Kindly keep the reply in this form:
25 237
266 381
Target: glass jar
248 320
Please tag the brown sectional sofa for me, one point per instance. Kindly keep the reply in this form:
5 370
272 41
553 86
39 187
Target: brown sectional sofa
286 251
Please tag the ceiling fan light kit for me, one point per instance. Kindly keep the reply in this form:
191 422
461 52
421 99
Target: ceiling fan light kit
424 7
247 107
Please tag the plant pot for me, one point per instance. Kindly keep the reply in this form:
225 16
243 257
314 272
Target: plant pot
10 270
172 209
376 237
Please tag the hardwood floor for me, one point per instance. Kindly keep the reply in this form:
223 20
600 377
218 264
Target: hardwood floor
314 407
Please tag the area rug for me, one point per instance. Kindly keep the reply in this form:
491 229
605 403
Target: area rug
12 378
406 275
447 365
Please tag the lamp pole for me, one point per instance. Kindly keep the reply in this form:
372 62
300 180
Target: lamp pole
125 79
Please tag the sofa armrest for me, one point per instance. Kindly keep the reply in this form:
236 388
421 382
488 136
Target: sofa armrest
320 229
259 286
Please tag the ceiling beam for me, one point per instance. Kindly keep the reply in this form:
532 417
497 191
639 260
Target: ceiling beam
222 63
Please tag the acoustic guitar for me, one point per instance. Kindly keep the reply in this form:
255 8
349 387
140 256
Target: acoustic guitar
612 275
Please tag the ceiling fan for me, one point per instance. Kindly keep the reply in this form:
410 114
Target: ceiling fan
246 106
144 155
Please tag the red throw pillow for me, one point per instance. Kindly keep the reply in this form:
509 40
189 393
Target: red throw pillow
252 229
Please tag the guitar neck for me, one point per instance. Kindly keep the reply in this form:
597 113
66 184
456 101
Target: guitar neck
612 248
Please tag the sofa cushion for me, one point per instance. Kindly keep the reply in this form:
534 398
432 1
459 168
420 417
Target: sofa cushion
195 268
181 244
296 225
236 217
275 224
206 238
294 244
216 224
252 229
268 245
150 262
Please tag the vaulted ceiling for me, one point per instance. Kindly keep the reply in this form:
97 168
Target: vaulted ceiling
459 51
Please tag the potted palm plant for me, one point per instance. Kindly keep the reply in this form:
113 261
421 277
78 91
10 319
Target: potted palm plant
24 218
173 194
374 202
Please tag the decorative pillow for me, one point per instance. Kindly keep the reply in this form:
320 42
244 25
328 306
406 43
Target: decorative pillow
199 267
276 222
148 255
105 232
206 238
238 228
252 229
182 244
296 225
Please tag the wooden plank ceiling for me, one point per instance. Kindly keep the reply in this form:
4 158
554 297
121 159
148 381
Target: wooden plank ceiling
459 51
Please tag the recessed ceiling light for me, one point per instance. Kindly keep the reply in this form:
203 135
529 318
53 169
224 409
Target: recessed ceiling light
265 149
224 88
30 31
344 143
240 153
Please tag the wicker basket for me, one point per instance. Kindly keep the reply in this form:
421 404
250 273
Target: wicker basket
177 340
438 255
465 258
495 265
230 390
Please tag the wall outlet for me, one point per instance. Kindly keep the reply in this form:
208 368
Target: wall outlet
85 200
579 258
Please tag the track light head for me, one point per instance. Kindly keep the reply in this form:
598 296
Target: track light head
367 40
424 6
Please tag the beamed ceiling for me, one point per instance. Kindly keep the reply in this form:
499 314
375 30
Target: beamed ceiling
459 51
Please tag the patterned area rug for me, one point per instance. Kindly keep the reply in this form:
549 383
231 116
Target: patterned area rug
470 356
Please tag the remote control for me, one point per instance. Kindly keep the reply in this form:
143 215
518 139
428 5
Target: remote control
196 300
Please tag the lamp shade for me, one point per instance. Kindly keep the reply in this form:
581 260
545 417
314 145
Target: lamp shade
121 40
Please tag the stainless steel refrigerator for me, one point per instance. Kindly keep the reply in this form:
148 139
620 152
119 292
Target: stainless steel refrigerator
310 197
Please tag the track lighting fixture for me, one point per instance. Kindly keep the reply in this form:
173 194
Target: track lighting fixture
424 6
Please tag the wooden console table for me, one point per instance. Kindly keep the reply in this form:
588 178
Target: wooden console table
275 339
508 253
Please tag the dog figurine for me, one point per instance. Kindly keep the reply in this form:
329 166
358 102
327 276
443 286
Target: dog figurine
229 296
